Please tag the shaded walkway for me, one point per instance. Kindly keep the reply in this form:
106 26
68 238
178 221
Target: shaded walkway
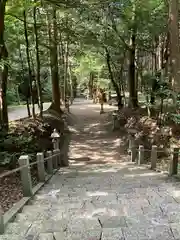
101 195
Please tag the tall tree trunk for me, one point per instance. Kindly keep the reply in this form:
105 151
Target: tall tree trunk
22 64
4 100
22 75
4 71
66 60
74 85
38 66
174 44
29 64
90 84
133 101
70 83
61 65
115 85
54 61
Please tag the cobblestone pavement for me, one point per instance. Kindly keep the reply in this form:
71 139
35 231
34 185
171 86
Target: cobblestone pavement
100 197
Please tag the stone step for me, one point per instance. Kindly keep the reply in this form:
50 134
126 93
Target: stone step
34 229
46 199
57 204
58 214
35 208
56 208
94 234
30 217
11 237
42 236
46 214
52 236
18 229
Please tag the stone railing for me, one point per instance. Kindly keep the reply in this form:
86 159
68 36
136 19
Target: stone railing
137 153
137 156
52 159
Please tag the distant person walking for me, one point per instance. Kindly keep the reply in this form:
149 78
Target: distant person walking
101 97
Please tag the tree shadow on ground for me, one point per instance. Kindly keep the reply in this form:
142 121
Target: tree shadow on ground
97 142
101 177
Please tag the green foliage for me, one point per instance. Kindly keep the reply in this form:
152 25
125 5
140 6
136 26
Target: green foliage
12 146
12 97
87 28
175 118
147 80
47 93
163 91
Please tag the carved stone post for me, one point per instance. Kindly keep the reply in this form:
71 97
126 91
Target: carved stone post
25 176
141 155
153 157
1 222
173 168
55 139
114 116
40 166
56 142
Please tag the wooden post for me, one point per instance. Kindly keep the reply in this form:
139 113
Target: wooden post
153 157
25 176
40 167
141 155
49 162
173 167
1 222
55 159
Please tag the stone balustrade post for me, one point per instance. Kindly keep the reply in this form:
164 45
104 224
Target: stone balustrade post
173 167
114 118
55 158
65 149
40 167
49 162
1 222
153 157
141 155
58 157
25 175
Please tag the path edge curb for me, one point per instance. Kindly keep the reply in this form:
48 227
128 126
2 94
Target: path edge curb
10 215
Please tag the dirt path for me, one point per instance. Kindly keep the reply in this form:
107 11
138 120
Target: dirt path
93 140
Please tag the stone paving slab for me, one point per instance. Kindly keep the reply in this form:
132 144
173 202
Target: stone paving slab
100 214
113 221
109 201
47 226
112 233
18 229
11 237
84 234
46 236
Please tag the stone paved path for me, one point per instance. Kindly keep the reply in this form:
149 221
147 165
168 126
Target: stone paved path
100 196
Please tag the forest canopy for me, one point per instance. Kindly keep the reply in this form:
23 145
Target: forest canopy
49 48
